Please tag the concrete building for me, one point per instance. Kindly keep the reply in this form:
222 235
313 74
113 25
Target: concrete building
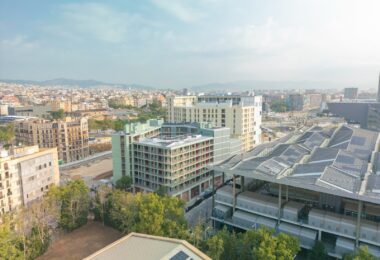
351 93
365 113
33 111
314 100
65 105
147 247
26 173
122 145
296 102
242 114
3 110
171 155
70 136
314 184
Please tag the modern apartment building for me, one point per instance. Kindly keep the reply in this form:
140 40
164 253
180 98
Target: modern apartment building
70 136
175 156
242 114
315 184
26 173
122 145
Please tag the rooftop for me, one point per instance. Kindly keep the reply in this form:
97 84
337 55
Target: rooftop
333 160
174 142
147 247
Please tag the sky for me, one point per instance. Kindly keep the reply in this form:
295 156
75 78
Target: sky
182 43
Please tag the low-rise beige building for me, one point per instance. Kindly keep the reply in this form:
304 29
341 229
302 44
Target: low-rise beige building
70 136
26 173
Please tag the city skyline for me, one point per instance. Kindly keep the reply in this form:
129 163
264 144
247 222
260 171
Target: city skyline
176 44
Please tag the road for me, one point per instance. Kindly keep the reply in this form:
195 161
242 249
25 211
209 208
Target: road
85 160
200 213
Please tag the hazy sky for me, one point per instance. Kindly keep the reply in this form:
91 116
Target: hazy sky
168 43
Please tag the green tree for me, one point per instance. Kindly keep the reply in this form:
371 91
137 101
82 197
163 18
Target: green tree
121 211
75 202
162 191
124 183
145 213
35 246
174 224
59 114
287 247
361 253
266 249
10 242
100 203
150 215
215 247
318 251
6 133
279 106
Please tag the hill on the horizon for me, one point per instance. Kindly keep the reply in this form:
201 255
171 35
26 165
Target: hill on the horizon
75 83
262 85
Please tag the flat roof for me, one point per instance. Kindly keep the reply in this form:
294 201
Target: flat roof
147 247
174 142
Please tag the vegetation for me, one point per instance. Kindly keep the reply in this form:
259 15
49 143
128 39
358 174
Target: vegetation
59 114
113 104
150 111
279 106
6 133
360 254
124 183
253 244
98 148
74 204
318 251
25 233
144 213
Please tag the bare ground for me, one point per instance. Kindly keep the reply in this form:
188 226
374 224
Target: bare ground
82 242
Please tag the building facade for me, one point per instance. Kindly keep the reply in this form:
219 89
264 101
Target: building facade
173 156
242 114
314 184
365 113
70 136
26 174
351 93
122 145
296 102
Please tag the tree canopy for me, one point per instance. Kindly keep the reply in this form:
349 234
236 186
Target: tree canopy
279 106
59 114
6 133
124 183
253 244
361 253
146 213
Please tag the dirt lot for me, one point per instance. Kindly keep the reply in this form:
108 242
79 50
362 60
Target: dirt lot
102 167
81 242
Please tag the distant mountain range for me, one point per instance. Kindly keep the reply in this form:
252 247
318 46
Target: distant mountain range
75 83
263 85
233 86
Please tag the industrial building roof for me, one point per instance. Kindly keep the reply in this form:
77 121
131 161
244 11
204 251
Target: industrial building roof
141 246
335 160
